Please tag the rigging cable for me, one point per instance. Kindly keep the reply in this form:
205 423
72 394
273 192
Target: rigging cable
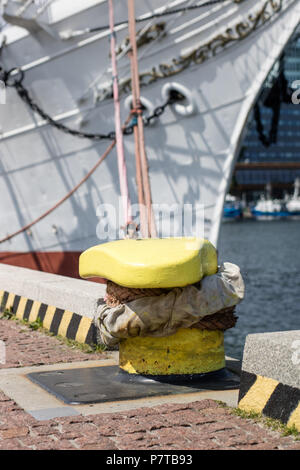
69 194
150 16
119 135
120 55
137 110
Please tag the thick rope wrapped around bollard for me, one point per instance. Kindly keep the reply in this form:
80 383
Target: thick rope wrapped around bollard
207 305
116 295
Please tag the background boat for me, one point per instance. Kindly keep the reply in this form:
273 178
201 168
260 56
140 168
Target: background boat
293 203
268 209
233 209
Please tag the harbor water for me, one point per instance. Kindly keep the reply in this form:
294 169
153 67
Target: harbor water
268 254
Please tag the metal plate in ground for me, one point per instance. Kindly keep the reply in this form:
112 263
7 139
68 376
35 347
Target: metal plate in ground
108 384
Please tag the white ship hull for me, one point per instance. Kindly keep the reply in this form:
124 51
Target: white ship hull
191 158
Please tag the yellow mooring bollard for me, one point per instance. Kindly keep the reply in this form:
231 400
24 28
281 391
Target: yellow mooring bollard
169 326
160 264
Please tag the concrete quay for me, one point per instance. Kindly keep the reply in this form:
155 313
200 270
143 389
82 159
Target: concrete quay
31 418
34 419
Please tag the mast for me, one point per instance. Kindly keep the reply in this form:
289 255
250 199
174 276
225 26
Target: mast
143 182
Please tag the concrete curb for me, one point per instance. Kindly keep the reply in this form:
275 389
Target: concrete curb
65 306
270 378
59 322
76 295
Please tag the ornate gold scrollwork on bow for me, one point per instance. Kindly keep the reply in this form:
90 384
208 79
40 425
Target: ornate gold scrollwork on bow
151 34
205 51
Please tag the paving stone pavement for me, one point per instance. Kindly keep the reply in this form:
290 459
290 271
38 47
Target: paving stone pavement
201 425
26 347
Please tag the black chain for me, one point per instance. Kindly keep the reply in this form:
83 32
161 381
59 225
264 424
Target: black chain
279 93
14 78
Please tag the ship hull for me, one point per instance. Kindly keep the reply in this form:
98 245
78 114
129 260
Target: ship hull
191 155
61 262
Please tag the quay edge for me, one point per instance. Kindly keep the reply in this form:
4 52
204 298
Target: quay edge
64 305
270 377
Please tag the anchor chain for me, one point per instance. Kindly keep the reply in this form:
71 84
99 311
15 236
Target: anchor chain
279 93
14 77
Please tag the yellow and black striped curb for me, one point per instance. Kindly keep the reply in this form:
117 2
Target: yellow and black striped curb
58 321
271 398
